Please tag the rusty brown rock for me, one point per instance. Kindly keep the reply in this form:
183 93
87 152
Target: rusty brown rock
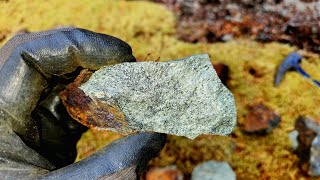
260 119
166 173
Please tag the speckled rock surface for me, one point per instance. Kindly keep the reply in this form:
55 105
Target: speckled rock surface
184 97
213 170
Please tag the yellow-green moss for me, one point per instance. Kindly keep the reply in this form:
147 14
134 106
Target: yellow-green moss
94 140
149 29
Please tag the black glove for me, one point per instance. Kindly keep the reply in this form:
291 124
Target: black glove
38 137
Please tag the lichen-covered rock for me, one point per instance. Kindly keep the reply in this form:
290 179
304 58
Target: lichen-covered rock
183 97
213 170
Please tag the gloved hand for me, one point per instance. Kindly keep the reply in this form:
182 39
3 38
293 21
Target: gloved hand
38 137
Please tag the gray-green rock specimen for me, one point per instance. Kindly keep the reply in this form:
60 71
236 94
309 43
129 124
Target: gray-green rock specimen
213 170
183 97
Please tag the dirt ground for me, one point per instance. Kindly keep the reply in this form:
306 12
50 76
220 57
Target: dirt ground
295 22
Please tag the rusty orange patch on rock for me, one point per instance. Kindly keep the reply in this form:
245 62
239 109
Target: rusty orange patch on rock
93 113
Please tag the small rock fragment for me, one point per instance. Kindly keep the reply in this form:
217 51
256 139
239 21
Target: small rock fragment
260 119
213 170
293 136
183 97
227 37
309 144
223 72
166 173
314 169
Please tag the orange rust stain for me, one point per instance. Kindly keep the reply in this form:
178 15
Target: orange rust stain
92 113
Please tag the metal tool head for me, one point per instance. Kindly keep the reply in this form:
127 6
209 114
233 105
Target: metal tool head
290 62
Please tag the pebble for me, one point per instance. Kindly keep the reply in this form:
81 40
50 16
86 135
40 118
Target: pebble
260 120
166 173
213 170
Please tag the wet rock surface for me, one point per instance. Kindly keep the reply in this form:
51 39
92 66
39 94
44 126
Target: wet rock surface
213 170
184 97
260 120
308 148
166 173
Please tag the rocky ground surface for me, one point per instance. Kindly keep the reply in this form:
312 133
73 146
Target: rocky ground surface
287 21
